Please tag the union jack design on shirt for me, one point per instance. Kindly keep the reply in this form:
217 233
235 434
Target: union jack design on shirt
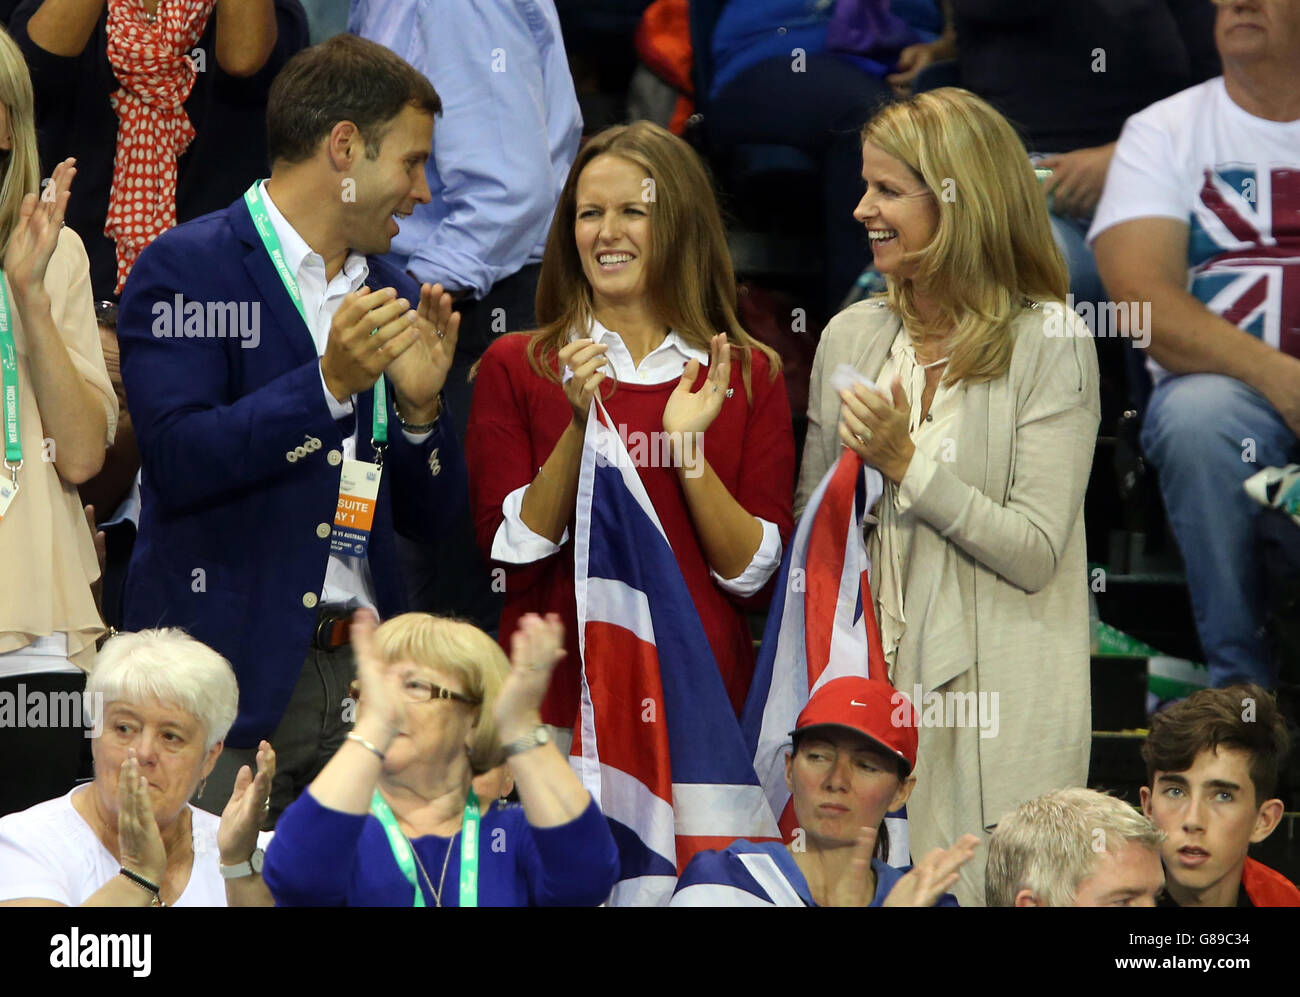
1243 250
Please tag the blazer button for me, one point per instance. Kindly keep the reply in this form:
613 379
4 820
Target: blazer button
334 457
323 530
301 452
309 600
313 444
291 457
435 465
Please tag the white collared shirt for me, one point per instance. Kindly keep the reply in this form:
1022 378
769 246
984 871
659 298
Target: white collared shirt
347 583
515 543
935 439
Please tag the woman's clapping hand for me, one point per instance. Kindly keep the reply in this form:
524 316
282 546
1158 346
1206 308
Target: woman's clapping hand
248 806
933 876
691 411
36 233
381 707
586 360
139 844
535 649
876 429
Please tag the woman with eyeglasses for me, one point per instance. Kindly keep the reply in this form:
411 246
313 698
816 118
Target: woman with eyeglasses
392 820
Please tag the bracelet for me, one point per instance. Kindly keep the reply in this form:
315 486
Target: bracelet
145 884
354 736
421 427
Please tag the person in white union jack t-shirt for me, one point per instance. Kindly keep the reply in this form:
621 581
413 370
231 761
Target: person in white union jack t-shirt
1201 218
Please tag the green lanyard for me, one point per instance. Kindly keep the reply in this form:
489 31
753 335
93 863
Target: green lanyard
404 854
9 369
262 222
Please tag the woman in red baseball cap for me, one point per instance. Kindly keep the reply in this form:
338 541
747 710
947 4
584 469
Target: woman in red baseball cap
853 751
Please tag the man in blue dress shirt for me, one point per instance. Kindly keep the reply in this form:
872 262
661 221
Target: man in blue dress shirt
507 137
285 384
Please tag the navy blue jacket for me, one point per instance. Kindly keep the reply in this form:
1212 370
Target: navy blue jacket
235 486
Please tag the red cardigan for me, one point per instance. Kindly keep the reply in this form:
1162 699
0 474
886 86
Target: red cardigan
515 421
1267 887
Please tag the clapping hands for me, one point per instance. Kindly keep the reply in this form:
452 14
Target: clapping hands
32 242
535 649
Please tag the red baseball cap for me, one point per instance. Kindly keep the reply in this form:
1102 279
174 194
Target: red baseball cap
871 707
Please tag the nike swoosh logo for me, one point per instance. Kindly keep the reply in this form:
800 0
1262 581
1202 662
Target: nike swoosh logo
854 702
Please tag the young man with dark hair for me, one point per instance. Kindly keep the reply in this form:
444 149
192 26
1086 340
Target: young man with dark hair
285 384
1212 763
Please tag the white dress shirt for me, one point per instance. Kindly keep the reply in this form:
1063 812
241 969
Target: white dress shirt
347 582
935 439
515 543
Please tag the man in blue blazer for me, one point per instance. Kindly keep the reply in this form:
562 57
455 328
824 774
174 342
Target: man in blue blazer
254 343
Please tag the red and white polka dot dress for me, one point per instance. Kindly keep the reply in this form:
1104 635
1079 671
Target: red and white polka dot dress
152 63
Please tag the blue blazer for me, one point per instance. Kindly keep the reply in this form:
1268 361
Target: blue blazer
241 460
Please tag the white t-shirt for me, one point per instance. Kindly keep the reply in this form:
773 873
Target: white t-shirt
49 852
1235 179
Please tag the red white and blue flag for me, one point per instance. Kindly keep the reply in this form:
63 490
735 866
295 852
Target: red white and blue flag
821 626
657 743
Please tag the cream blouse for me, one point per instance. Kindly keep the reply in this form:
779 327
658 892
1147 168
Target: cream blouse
46 548
890 543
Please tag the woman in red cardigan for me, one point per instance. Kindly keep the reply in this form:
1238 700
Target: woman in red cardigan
636 301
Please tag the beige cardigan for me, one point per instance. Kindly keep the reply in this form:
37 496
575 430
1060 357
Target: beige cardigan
46 547
996 594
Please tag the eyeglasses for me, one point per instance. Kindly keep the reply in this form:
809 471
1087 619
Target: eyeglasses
420 691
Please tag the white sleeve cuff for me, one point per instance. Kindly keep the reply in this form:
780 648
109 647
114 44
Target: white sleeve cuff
766 560
338 409
514 542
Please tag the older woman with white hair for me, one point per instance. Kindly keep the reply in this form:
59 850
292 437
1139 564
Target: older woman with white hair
162 704
393 819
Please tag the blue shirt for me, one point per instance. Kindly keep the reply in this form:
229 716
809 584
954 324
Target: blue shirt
750 31
504 143
323 858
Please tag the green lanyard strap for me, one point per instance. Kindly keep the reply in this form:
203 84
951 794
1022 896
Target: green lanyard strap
9 372
271 241
403 851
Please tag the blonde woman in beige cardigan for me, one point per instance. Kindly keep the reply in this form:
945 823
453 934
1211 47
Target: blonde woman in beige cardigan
983 427
53 440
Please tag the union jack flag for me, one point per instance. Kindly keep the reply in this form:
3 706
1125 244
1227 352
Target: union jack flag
821 626
1244 250
657 743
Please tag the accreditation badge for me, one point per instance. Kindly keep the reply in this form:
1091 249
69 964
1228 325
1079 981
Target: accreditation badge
8 489
358 491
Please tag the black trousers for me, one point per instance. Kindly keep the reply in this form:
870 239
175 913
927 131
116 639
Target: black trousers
38 763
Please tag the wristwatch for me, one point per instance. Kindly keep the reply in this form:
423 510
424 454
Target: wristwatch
252 867
535 738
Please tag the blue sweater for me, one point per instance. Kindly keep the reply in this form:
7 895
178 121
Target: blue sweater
750 31
323 858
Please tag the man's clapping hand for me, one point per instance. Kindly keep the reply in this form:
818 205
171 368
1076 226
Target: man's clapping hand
376 331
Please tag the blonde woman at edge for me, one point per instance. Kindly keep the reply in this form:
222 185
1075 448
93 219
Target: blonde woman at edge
982 422
54 439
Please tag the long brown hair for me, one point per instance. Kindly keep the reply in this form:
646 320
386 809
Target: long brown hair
689 278
993 247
